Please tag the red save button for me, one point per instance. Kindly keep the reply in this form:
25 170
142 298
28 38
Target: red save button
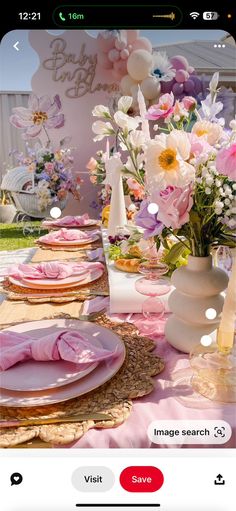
141 479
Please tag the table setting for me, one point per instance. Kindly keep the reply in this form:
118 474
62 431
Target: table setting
115 324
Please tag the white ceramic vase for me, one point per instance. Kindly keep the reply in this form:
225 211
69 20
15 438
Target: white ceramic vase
198 287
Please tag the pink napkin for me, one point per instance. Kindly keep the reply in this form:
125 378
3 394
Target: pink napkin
67 235
70 221
67 345
52 270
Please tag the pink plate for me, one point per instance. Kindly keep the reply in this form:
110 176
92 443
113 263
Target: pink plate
103 372
89 277
90 239
89 223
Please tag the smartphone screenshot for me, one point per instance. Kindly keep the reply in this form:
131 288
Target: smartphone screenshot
117 257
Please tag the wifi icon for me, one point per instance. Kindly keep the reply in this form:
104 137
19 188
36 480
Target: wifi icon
194 15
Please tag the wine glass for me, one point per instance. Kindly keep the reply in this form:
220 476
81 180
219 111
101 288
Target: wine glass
153 286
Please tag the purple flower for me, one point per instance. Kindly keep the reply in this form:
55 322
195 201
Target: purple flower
148 221
41 112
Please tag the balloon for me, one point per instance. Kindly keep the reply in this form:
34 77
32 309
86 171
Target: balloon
179 62
120 67
142 43
104 61
139 64
167 86
190 70
178 89
181 76
132 35
105 43
120 44
114 55
197 84
150 87
126 83
124 54
189 86
134 91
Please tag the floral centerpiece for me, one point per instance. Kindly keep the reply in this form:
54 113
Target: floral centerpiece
185 161
49 168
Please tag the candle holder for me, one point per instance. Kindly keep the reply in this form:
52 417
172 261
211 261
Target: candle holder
214 372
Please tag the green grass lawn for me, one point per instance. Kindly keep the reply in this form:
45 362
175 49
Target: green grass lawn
20 235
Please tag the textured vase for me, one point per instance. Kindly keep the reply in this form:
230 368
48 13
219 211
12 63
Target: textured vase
198 287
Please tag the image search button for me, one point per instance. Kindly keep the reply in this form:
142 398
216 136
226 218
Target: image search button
16 478
141 479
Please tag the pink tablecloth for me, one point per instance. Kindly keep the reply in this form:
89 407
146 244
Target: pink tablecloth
169 400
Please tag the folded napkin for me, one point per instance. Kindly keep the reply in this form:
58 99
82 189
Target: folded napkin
98 254
67 345
67 235
52 270
70 221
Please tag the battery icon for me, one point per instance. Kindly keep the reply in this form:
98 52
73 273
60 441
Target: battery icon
210 15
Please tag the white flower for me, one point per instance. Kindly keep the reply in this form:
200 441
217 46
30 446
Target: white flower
102 129
162 68
208 191
125 103
232 124
136 138
166 161
130 166
125 122
213 84
212 131
101 111
209 110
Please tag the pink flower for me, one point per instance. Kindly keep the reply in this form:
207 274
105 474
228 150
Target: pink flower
92 164
163 108
226 162
133 184
189 103
41 112
174 206
49 167
199 145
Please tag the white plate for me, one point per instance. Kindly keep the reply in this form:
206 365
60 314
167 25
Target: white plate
90 223
103 372
93 238
90 277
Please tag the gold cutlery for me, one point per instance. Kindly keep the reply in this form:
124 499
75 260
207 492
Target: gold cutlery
40 421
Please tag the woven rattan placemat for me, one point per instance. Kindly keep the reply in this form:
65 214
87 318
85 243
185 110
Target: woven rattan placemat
134 380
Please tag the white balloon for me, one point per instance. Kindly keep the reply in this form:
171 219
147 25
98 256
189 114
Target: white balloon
126 83
139 64
150 87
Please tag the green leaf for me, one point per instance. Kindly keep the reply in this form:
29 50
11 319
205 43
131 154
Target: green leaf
175 252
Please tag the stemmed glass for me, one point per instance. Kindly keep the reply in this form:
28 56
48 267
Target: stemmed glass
153 285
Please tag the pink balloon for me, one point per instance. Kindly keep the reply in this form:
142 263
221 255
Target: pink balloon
181 76
105 44
120 44
142 43
104 61
132 35
189 86
190 70
179 62
167 86
124 54
120 67
114 55
178 89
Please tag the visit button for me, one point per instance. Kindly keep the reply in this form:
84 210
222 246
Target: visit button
141 479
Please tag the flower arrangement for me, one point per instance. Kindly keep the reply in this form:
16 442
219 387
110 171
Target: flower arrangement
187 170
50 169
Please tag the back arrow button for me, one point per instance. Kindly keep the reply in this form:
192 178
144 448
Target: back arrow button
16 46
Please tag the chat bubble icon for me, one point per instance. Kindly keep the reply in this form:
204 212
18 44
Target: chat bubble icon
16 478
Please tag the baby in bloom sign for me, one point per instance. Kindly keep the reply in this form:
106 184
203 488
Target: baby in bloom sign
69 67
